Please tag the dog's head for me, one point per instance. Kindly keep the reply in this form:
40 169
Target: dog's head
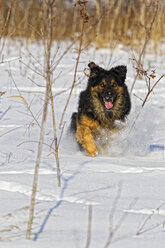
109 87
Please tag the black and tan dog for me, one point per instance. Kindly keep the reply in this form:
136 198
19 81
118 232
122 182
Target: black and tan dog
105 100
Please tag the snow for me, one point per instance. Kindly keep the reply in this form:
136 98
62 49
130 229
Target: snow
124 186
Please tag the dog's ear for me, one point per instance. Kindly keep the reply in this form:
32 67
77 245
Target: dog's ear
94 69
121 70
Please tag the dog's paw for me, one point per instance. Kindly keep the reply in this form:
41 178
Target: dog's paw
94 154
92 151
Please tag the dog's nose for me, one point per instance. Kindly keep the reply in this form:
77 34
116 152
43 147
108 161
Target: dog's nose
109 93
108 96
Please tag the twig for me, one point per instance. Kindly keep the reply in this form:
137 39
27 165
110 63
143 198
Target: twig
47 96
147 38
4 113
10 74
11 131
113 230
62 130
36 172
141 228
112 213
138 97
38 62
152 227
147 77
39 85
55 137
150 90
85 19
34 70
50 86
10 60
54 66
59 140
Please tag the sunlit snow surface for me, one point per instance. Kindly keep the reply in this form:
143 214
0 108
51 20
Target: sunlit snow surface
128 181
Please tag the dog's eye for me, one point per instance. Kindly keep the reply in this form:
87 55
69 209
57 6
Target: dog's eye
102 84
114 84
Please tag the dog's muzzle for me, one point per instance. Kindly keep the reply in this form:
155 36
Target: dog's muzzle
108 100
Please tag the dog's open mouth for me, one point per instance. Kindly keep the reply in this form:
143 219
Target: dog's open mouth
108 104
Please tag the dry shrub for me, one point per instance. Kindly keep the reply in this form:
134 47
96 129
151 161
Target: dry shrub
120 21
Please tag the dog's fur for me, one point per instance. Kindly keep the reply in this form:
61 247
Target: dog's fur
105 100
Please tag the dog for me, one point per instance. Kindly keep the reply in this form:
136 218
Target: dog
105 100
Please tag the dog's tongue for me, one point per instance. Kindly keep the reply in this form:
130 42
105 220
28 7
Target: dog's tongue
108 104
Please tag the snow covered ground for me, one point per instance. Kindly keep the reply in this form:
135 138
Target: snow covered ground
125 188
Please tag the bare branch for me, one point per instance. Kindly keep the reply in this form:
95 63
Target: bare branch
151 90
147 38
85 19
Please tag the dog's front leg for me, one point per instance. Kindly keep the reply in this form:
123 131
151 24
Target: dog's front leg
85 138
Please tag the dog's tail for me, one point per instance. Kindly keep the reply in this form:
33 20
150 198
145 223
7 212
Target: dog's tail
73 125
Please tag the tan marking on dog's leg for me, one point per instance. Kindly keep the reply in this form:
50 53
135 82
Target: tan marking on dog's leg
85 138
